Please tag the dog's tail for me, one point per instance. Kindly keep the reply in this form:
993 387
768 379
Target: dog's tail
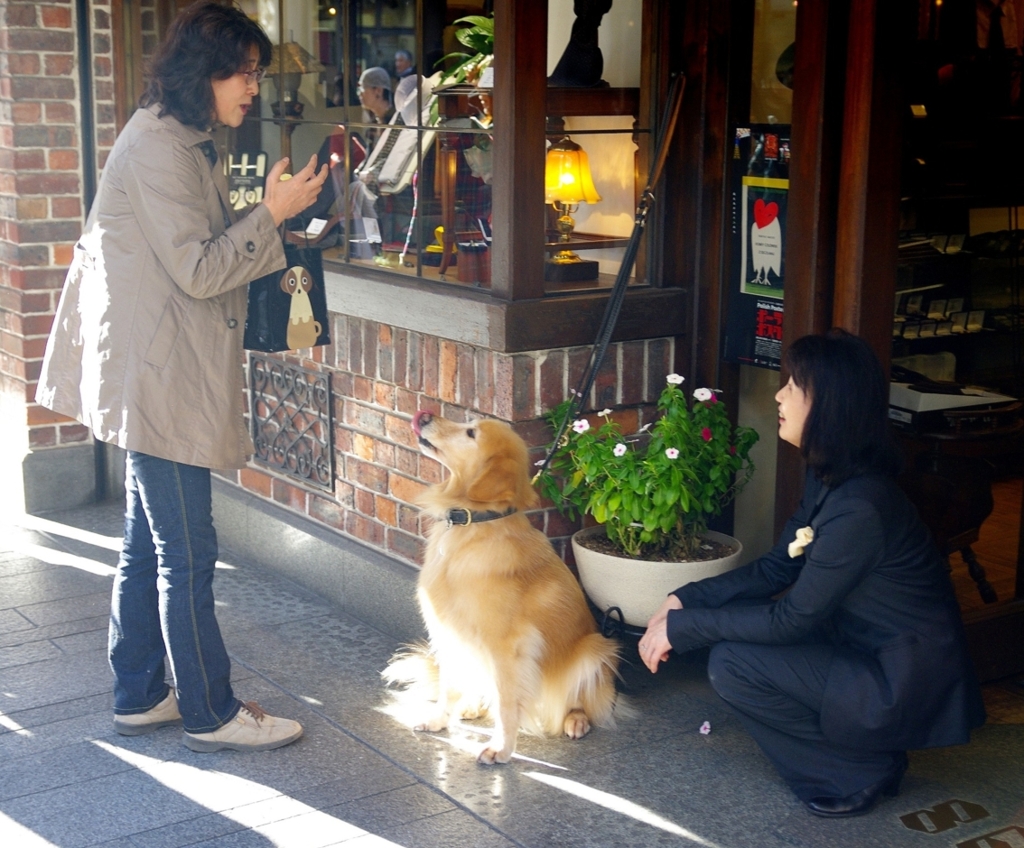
598 663
414 668
585 681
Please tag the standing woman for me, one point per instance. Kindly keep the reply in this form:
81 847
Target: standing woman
146 350
864 655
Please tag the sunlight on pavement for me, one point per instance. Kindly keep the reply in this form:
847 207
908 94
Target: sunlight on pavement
461 736
618 805
12 725
55 528
283 821
14 834
55 557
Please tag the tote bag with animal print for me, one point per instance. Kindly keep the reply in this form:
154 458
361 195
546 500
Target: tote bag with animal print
288 309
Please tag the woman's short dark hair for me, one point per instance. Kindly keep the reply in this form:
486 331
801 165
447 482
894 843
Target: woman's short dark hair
847 431
207 41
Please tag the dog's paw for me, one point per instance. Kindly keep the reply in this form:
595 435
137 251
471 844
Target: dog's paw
490 756
470 710
432 723
577 725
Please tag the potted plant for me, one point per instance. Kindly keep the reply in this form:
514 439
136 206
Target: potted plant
652 495
478 36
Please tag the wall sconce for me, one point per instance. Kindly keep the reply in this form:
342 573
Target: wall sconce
287 76
567 183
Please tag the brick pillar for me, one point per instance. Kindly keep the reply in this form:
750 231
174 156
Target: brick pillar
40 219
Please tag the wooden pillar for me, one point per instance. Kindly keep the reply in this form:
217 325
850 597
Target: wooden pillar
520 88
868 211
816 134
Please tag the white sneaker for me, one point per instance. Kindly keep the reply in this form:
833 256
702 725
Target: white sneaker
162 715
250 730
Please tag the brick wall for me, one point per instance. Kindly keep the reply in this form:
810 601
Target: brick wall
40 203
41 192
104 113
383 374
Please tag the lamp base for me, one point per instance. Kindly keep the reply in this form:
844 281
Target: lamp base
574 271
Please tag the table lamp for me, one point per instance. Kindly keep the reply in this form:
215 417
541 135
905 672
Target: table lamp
288 63
567 183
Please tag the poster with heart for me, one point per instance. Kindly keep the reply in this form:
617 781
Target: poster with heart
764 205
759 182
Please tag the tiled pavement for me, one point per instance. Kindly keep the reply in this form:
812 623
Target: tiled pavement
359 778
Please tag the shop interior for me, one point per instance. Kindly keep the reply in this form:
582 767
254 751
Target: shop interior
958 365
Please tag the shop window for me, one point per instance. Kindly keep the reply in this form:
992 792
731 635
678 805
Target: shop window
411 150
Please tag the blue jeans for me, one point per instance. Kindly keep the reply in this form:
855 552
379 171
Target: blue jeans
163 597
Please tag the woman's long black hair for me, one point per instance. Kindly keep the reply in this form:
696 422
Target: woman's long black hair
207 41
847 432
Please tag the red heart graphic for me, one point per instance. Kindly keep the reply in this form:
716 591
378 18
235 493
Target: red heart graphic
765 213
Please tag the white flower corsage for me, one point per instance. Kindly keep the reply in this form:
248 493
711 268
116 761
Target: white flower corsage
804 537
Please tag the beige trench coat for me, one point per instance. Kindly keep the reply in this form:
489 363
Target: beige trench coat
146 346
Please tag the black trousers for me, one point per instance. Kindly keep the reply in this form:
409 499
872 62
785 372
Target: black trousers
777 691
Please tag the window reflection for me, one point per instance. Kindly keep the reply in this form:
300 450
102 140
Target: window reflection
409 185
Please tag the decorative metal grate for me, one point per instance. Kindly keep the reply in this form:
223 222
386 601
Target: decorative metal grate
292 426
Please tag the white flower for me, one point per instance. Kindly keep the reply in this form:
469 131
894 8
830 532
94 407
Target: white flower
539 463
675 379
604 413
804 537
671 453
645 428
581 425
619 449
702 394
705 728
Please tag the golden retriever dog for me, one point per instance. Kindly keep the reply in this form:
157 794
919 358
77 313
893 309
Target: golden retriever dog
510 631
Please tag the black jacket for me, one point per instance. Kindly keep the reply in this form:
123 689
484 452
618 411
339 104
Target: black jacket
872 584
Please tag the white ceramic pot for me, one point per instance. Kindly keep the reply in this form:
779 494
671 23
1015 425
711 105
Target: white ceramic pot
639 587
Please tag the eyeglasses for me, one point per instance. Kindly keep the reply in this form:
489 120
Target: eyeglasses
254 76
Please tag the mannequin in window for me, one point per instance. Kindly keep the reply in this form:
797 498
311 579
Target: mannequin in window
405 70
582 64
374 92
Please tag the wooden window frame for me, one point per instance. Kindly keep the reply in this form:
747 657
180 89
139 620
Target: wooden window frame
524 313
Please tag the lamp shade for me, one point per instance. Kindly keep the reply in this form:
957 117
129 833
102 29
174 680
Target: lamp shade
567 176
296 60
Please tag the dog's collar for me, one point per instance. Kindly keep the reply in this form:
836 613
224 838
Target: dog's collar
470 516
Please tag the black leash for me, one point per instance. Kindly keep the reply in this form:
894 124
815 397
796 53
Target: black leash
618 293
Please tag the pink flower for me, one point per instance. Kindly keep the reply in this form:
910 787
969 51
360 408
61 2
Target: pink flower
619 449
732 450
671 453
705 434
581 425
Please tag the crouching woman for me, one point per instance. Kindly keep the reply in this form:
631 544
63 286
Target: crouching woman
842 647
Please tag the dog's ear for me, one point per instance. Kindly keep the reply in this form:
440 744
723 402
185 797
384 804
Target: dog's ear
502 482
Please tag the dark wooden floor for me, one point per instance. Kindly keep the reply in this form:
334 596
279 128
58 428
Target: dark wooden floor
997 552
996 549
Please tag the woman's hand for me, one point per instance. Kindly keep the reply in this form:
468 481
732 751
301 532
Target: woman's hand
288 197
654 646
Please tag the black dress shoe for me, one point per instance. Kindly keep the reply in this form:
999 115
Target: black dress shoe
859 802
